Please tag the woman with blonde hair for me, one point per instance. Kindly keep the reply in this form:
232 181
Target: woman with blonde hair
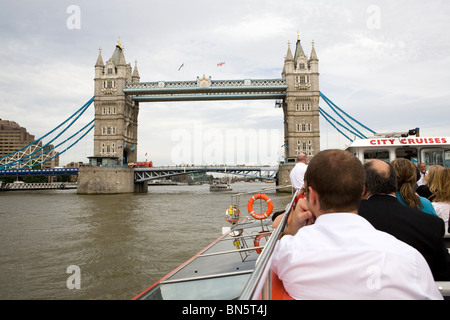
428 190
441 188
406 182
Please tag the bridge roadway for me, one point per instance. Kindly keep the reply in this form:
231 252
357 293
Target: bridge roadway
38 172
207 89
144 174
260 172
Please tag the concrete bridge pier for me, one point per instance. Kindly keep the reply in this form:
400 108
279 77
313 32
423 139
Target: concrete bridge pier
283 178
108 180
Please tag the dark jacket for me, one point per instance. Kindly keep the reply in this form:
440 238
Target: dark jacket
422 231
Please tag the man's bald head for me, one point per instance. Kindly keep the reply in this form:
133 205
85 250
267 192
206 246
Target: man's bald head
301 157
380 177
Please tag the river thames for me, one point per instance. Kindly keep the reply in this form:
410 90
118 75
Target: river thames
121 244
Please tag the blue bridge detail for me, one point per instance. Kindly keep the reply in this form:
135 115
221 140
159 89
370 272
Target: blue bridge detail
145 174
38 172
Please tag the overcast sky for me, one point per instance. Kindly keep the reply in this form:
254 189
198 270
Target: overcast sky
386 63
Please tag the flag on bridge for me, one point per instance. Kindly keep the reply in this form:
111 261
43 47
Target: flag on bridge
220 64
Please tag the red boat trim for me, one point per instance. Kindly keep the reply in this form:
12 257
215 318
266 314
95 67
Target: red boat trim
180 267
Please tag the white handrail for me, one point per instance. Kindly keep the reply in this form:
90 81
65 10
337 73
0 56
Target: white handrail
259 278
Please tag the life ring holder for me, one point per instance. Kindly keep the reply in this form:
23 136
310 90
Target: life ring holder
232 215
260 216
258 238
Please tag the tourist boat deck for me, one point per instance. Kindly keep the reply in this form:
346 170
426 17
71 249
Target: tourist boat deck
233 267
222 269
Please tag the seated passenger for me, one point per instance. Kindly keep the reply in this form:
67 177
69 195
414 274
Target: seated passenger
441 189
424 232
328 251
406 184
425 190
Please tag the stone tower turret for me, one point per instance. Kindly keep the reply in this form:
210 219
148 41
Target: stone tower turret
301 106
116 115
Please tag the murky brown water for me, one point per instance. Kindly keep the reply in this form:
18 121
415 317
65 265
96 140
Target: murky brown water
122 244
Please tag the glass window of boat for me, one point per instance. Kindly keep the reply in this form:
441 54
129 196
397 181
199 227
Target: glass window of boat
447 158
407 153
376 154
434 156
217 288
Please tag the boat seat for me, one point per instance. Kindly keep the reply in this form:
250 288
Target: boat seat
278 291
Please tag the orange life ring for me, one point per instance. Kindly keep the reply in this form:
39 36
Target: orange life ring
262 215
261 235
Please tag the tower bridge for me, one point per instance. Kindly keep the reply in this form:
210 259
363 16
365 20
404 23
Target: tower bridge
118 93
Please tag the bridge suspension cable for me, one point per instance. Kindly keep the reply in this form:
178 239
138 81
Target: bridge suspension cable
35 150
338 111
90 125
329 119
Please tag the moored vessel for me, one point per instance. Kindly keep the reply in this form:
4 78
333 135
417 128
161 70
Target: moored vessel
217 186
409 145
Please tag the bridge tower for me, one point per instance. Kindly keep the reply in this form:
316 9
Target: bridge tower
301 105
116 115
115 135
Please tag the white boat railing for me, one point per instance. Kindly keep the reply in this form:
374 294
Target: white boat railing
260 282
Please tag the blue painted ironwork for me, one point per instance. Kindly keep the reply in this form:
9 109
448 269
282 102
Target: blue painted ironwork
329 119
145 174
260 172
90 125
334 107
38 172
24 157
81 110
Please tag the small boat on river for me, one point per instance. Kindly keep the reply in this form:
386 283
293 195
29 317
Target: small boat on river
216 186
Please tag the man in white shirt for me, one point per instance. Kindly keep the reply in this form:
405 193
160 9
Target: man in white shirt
423 172
328 251
298 172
